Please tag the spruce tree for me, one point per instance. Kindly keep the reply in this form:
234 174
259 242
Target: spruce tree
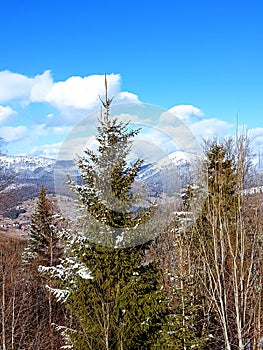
43 235
227 250
183 328
107 282
43 248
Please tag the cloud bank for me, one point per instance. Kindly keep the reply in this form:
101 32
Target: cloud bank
23 100
78 93
11 134
68 100
5 113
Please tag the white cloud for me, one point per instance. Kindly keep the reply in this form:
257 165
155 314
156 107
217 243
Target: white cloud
208 128
42 84
186 113
256 136
14 86
149 151
126 97
5 113
78 97
74 92
48 150
178 122
74 97
186 123
44 130
73 147
126 117
183 137
132 119
83 93
10 134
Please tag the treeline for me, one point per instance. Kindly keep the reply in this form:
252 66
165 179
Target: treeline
105 283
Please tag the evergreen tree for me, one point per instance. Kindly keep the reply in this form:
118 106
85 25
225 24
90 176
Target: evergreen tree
112 290
227 251
184 327
44 248
43 236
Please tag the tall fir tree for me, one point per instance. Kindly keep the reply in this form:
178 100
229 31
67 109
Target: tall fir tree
112 290
44 248
227 251
184 328
44 233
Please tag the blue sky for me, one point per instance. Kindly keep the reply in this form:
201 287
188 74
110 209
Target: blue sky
201 59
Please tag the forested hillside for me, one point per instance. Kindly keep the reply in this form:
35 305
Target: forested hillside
116 279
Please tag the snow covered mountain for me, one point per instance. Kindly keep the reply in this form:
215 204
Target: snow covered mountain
31 172
171 173
25 163
167 175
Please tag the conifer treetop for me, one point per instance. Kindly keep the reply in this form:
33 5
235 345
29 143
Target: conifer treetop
114 170
106 104
107 192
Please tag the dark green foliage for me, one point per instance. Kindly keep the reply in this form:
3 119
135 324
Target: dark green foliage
121 307
43 248
43 236
221 173
106 195
228 251
112 290
220 206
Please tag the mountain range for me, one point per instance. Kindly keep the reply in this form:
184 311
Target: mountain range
167 175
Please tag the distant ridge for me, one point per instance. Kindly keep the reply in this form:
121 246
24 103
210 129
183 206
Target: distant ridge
26 162
30 173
